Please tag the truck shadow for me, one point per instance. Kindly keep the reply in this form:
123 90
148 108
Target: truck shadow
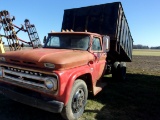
11 110
137 98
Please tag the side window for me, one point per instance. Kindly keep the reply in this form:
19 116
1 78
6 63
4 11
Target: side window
96 45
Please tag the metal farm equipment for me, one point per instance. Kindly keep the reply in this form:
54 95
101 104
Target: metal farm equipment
14 42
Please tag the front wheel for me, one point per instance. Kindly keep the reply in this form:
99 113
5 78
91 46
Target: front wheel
77 101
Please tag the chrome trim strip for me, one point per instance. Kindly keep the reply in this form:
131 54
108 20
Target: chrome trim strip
24 75
23 68
21 75
26 82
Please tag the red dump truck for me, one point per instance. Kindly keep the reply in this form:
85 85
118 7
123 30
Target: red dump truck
58 77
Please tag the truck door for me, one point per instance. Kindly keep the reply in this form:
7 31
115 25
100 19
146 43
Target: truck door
100 58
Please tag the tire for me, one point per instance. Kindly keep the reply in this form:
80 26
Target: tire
122 71
77 101
115 71
119 71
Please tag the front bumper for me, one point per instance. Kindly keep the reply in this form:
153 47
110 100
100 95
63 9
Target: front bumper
48 105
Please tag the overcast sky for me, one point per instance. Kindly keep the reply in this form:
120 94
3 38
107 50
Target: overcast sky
143 16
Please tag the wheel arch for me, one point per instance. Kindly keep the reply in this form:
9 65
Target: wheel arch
86 77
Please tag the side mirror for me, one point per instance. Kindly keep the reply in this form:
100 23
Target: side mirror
44 39
106 43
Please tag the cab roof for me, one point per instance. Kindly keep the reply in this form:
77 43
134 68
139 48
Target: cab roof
80 33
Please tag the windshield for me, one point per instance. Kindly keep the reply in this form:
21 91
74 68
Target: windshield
67 41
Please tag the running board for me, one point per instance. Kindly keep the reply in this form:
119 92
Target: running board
99 86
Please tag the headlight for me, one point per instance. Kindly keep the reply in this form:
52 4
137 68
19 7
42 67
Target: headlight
49 65
2 59
51 83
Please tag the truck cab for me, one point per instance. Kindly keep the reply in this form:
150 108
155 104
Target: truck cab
57 77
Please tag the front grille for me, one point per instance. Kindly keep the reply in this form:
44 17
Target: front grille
25 76
23 71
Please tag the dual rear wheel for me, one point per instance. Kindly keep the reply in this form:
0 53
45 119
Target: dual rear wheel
119 71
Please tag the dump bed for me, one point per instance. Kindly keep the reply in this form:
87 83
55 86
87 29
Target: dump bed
106 19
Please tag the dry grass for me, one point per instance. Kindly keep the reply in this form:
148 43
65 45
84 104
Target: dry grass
146 52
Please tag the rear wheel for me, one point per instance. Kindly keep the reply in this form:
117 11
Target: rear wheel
119 71
122 71
115 71
77 101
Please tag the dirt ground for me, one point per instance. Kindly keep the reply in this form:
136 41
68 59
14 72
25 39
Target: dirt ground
145 65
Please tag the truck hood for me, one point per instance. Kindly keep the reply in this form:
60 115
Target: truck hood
61 58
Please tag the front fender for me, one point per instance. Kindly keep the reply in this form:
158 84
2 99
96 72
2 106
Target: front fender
66 89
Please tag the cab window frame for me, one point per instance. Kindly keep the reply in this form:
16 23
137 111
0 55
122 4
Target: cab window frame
100 41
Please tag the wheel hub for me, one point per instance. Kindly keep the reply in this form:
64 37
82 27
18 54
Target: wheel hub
78 101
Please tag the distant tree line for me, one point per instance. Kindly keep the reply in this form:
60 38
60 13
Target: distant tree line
144 47
140 47
155 47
